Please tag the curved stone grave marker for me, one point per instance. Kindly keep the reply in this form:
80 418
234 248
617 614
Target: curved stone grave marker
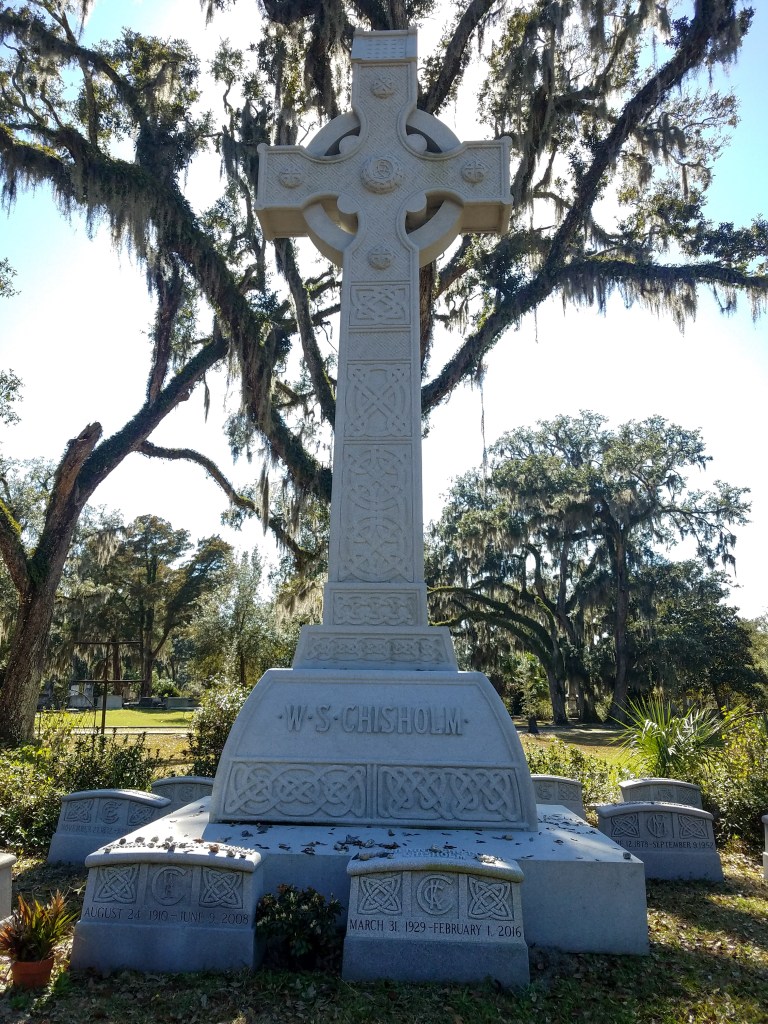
669 791
169 906
182 789
92 817
7 860
435 915
557 789
671 840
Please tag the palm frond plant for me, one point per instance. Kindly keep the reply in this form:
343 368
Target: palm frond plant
669 745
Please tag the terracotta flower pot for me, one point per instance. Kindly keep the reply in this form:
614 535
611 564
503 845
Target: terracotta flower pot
31 973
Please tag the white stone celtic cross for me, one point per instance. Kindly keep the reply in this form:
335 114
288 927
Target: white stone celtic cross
381 191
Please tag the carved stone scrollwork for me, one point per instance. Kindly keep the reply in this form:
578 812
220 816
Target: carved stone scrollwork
117 885
377 304
78 810
692 827
625 825
298 791
378 401
460 794
363 609
381 894
490 899
221 889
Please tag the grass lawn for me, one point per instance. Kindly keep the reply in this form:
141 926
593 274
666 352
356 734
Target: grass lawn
708 965
128 718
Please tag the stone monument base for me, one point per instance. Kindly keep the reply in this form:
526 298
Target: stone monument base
398 748
581 891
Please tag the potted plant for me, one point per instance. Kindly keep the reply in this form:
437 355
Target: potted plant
29 936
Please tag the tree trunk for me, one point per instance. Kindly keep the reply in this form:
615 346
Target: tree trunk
618 710
117 688
26 659
557 698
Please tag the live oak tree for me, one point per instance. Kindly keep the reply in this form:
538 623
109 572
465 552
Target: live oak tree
237 633
145 587
687 643
600 98
550 544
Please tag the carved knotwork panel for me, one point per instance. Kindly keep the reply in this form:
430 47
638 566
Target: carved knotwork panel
448 794
297 791
378 401
377 494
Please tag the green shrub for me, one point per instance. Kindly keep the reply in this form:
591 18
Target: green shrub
34 778
211 724
30 799
599 777
299 928
735 788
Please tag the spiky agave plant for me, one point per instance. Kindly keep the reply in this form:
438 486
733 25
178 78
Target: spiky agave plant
669 745
34 929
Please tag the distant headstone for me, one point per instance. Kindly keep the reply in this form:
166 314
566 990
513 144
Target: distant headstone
7 860
435 915
169 906
672 841
556 789
178 704
92 817
765 852
669 791
182 789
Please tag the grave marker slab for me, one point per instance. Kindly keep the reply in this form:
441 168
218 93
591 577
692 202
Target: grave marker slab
435 915
169 906
182 789
556 789
7 860
669 791
672 840
92 817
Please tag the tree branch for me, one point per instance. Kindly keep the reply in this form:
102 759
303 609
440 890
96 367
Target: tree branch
239 500
12 550
453 60
312 358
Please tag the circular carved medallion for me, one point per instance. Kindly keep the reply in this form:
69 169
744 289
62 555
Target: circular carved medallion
382 174
381 257
435 895
383 87
291 176
474 171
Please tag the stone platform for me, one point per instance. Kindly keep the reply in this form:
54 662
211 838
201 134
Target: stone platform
581 891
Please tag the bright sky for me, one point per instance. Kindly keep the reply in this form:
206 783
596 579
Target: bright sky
76 335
